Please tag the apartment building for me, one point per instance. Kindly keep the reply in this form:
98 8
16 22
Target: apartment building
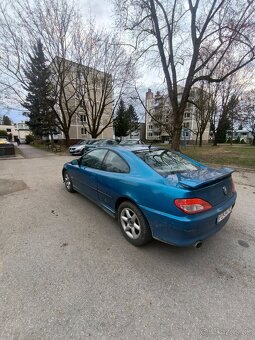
86 82
158 119
17 130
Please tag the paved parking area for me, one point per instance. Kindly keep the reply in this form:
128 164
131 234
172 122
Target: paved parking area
66 272
28 151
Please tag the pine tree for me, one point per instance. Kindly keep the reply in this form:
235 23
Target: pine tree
126 120
39 102
121 122
6 120
132 119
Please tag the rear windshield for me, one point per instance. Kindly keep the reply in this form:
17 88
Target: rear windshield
129 142
165 162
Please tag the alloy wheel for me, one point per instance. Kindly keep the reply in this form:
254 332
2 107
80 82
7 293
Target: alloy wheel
67 181
130 223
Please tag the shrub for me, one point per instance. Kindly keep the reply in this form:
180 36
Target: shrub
29 139
3 133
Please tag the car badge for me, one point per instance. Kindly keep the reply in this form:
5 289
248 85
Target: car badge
225 190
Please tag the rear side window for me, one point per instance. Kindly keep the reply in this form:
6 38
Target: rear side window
94 159
114 163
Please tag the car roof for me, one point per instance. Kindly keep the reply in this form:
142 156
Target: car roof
138 147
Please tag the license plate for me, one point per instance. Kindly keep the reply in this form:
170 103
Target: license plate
224 215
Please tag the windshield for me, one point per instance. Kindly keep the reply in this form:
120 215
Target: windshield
165 162
98 141
82 142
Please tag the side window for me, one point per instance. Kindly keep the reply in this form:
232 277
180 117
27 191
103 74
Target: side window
93 159
114 163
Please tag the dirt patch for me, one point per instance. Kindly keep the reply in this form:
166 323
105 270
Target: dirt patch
8 186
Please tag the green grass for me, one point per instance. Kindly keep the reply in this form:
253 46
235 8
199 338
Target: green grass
227 155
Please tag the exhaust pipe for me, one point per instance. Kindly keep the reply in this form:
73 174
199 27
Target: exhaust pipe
198 244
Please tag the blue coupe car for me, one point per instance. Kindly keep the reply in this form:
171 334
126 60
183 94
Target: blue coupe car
154 192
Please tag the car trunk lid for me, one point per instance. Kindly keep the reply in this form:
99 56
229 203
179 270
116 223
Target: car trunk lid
212 185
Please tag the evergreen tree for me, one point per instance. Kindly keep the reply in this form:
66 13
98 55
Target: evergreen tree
6 120
126 120
132 119
226 121
39 102
121 122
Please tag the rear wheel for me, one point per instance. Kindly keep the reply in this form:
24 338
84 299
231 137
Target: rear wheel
68 182
133 224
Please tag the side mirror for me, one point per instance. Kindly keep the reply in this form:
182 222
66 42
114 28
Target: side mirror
75 162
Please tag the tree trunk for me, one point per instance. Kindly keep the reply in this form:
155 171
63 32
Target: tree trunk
196 139
67 137
51 138
200 139
177 136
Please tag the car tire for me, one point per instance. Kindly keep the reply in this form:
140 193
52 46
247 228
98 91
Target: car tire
68 182
133 224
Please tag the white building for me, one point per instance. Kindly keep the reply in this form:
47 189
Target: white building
241 135
18 130
158 120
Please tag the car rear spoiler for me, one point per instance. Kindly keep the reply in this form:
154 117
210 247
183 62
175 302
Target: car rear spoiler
204 177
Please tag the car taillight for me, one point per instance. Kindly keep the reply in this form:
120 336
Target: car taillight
192 205
233 186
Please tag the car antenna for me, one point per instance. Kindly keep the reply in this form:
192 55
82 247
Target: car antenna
150 146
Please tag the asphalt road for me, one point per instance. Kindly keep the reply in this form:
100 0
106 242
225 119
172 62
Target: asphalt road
29 151
66 272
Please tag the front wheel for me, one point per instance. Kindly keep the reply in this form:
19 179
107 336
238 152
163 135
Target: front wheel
68 182
133 224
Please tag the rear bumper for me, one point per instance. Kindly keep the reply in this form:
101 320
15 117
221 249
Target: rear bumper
186 230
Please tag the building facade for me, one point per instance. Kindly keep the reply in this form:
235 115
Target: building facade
159 119
17 130
243 135
84 79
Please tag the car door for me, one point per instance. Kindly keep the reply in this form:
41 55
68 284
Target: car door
112 180
86 176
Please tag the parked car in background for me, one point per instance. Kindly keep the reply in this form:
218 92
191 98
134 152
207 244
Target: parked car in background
129 142
77 149
4 140
154 192
100 142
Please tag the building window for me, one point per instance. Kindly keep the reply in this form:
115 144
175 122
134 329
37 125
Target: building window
83 131
150 127
9 130
186 125
150 134
83 118
187 115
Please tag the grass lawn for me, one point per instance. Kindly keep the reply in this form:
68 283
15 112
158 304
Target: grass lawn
223 154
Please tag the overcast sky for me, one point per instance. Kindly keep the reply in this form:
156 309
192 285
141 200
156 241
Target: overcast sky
101 10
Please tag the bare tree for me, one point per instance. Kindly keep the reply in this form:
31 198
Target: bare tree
104 79
187 37
226 96
89 68
247 116
54 23
204 108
